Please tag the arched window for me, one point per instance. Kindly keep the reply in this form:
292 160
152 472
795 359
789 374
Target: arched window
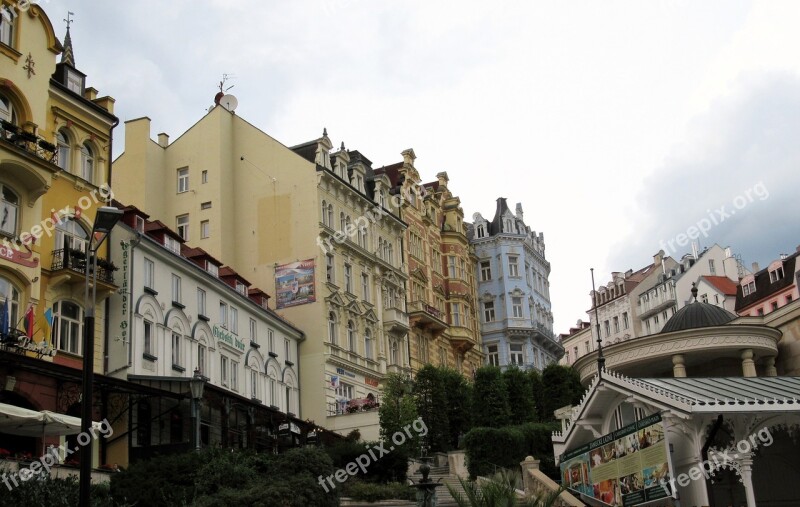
481 231
7 112
70 234
380 248
362 236
332 328
325 213
351 335
394 356
253 383
7 21
382 198
390 255
9 210
342 221
64 151
67 326
273 389
330 215
10 294
368 344
87 162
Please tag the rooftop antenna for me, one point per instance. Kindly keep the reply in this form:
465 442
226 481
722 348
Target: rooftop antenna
601 361
229 101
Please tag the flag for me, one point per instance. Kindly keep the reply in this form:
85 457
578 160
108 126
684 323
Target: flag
4 318
334 381
48 315
28 322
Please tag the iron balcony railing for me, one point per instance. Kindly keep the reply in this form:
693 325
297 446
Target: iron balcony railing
75 260
28 142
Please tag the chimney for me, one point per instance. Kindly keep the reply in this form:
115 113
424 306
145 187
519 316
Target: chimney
443 179
755 267
90 93
783 257
409 156
658 259
519 212
163 140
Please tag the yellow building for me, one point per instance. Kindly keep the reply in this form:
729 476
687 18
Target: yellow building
311 226
55 145
442 293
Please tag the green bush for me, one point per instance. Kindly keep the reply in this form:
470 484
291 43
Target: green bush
490 398
391 467
488 448
52 492
371 492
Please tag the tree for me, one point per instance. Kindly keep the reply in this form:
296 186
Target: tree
561 386
431 399
520 396
490 398
398 408
535 379
459 404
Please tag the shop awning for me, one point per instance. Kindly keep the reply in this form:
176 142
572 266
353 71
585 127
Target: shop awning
30 423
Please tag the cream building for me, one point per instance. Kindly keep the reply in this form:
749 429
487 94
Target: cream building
311 226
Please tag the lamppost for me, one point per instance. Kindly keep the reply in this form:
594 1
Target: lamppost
196 385
105 220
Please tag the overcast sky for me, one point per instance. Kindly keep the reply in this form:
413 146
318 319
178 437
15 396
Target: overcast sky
618 124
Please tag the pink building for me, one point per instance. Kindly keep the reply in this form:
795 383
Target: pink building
766 290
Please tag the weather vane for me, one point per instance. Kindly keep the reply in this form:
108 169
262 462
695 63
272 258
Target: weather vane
69 19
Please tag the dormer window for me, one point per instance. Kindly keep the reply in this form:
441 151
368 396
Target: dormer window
481 231
139 224
172 244
212 268
776 274
748 288
75 81
241 288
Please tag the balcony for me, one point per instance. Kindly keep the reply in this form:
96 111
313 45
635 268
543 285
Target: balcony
653 307
395 321
462 338
28 142
425 316
69 266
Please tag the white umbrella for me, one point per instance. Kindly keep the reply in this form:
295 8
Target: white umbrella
30 423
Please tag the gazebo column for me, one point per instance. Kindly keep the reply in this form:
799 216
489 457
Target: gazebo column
748 365
678 367
769 364
746 467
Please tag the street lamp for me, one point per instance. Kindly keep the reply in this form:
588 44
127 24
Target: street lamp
196 385
105 220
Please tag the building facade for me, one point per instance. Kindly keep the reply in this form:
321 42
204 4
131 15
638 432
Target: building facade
306 224
513 291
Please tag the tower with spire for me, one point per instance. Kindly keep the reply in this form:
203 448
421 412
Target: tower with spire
66 73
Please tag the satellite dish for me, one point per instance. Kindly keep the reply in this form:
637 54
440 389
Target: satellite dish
229 102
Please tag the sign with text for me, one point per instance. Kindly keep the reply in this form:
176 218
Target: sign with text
623 468
294 284
224 336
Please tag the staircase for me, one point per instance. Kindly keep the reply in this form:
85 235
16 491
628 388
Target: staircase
442 476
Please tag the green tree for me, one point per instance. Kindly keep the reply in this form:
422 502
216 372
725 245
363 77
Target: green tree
535 378
459 404
490 398
521 401
398 408
431 399
561 386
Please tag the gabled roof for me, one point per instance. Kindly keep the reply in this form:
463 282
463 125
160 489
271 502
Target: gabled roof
765 287
722 283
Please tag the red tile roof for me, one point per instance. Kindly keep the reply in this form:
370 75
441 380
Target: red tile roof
722 284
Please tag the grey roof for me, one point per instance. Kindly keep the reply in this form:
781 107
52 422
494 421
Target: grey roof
696 315
716 391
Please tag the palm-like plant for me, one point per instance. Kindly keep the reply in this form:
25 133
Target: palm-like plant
499 491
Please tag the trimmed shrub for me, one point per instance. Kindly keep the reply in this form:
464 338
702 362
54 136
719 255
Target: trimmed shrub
489 448
490 398
371 492
521 400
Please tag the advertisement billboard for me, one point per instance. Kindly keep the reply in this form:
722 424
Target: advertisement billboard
294 284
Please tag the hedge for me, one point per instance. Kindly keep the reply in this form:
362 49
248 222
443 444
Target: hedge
506 447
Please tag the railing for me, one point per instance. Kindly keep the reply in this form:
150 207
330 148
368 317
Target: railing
422 306
28 142
75 260
353 406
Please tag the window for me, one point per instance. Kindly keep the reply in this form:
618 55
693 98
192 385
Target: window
252 330
253 384
455 314
183 180
205 229
201 302
368 344
329 273
647 325
664 313
625 320
7 20
394 352
344 391
516 307
139 224
201 358
488 311
148 337
711 268
342 221
273 391
516 353
382 198
348 278
365 286
442 356
223 314
212 268
204 177
64 151
513 268
223 370
87 162
616 324
10 212
9 294
331 328
776 274
587 346
655 319
760 312
351 335
176 349
149 273
492 355
749 288
70 234
481 231
788 299
575 351
325 213
182 226
608 328
423 349
176 288
271 340
172 244
234 375
234 320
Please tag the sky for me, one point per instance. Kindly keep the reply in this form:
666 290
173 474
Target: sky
620 126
